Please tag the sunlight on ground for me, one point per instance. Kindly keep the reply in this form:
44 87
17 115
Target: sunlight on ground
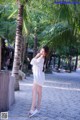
60 88
58 82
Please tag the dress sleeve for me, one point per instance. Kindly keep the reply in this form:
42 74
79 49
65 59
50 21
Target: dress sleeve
36 61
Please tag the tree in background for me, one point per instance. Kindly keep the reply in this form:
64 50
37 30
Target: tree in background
56 25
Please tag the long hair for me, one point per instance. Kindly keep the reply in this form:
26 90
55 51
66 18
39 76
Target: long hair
46 49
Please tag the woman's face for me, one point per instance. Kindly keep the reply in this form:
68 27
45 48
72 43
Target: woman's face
42 51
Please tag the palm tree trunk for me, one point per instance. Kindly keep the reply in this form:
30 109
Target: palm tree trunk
18 42
69 64
22 52
58 63
76 63
35 45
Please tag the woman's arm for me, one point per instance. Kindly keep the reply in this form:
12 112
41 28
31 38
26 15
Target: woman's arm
38 55
36 60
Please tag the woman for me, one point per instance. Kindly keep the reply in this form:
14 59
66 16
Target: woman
39 78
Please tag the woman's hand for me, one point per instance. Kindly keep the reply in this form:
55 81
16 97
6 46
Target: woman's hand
38 55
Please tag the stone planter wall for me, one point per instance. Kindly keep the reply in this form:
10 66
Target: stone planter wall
7 96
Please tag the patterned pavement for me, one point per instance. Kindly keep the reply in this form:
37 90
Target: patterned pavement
60 99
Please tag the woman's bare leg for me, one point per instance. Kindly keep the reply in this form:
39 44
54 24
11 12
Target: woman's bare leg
39 92
34 97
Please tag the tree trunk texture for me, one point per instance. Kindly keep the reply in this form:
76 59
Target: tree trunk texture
35 45
22 52
54 62
58 63
76 63
25 56
69 64
18 42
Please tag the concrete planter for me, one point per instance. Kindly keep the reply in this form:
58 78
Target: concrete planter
7 97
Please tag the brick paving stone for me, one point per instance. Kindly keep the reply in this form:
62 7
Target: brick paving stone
60 99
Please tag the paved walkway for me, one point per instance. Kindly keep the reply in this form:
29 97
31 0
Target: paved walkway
60 101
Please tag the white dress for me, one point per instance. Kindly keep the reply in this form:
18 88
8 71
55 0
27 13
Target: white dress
37 68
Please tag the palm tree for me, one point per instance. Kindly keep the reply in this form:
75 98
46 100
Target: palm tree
18 42
10 19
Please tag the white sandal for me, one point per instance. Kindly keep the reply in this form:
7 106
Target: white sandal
32 113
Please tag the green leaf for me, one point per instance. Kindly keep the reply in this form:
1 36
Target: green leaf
12 14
